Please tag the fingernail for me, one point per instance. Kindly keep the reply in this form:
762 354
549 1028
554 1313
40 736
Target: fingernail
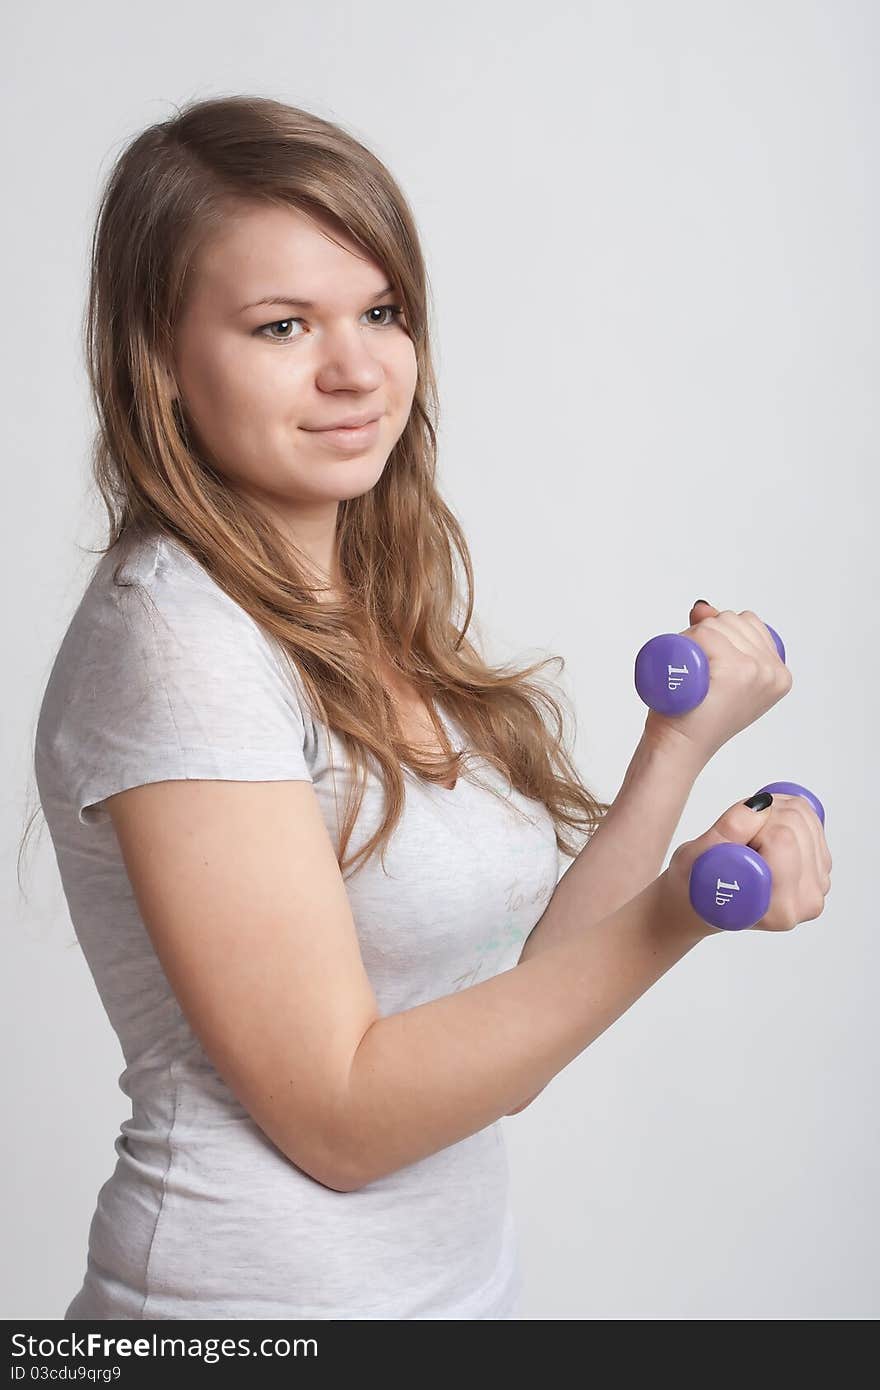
702 600
759 802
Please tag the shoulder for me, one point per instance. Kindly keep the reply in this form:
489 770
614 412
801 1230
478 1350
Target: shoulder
162 674
152 616
169 604
173 583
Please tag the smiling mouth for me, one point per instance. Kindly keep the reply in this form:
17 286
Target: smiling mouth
349 437
353 425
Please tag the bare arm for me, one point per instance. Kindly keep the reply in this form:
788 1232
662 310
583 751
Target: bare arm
627 850
431 1076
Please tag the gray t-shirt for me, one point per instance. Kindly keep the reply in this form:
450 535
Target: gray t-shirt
203 1216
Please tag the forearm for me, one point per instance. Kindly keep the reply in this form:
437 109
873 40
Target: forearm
431 1076
626 852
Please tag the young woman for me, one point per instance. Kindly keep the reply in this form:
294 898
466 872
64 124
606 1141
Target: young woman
304 830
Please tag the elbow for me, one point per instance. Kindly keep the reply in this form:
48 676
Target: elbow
339 1166
349 1157
343 1178
336 1176
349 1172
337 1183
327 1164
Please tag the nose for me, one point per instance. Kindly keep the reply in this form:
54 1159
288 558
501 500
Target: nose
349 361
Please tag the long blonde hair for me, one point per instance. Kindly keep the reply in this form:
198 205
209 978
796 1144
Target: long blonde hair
169 190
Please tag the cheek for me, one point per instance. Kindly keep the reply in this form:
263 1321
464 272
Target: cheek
236 394
406 371
240 373
226 404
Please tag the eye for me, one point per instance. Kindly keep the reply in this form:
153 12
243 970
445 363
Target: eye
395 310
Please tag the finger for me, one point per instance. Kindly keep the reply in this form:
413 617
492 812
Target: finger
817 835
791 861
762 631
796 812
738 633
717 641
744 634
823 854
704 610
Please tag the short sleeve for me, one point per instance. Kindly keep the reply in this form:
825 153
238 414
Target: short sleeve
179 682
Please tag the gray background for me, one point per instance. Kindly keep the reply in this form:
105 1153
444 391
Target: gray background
648 232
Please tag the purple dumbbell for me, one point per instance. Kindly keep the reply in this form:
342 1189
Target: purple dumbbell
672 672
730 885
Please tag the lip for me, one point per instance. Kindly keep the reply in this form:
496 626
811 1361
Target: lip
349 437
349 422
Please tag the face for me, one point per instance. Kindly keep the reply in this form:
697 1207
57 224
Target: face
259 382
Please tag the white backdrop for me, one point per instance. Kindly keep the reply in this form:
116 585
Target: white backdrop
648 230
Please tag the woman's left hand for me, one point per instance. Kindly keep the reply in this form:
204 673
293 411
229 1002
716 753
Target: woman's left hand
746 679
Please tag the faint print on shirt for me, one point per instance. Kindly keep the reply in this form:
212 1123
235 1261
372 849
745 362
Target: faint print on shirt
506 934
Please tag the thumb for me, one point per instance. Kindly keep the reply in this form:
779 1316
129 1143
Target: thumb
739 823
700 609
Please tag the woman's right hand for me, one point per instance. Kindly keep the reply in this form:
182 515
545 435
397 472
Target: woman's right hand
746 679
789 836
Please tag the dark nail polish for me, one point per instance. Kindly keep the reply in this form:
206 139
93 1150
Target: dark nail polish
759 802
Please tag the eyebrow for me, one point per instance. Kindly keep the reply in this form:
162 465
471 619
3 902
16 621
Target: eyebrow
292 302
